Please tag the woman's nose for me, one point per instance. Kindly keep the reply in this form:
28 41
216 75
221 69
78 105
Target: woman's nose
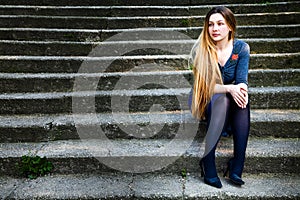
215 27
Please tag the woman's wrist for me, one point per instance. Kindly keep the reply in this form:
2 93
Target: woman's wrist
224 88
229 88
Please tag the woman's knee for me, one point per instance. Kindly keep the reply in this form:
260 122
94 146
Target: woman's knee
222 100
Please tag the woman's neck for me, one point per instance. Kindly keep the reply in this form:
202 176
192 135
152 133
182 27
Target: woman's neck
223 44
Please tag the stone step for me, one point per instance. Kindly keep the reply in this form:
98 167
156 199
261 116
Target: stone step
150 186
64 82
167 156
134 100
72 64
128 11
50 34
149 47
243 31
129 3
154 125
78 22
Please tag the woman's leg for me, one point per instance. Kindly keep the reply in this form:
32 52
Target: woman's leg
240 124
217 117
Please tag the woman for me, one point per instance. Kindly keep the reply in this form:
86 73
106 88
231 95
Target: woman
220 92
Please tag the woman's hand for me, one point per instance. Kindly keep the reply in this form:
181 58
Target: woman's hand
240 94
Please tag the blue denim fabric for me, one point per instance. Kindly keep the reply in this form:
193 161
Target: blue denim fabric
235 71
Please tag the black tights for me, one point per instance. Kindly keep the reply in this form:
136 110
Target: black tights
222 112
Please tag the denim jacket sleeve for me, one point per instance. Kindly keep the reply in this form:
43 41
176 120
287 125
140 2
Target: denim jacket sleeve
241 73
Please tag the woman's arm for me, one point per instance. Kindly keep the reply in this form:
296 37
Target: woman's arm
238 92
241 74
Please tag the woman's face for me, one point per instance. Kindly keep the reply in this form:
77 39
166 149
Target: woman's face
218 28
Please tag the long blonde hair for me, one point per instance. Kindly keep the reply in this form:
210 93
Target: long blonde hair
205 63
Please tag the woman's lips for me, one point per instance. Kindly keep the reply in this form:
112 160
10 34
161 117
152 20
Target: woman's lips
215 35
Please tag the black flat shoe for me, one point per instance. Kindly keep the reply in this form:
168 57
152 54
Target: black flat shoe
215 181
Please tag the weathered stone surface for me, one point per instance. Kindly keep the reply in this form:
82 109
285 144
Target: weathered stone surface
119 11
181 47
133 100
151 186
262 186
82 35
104 155
64 82
38 128
32 21
45 42
75 187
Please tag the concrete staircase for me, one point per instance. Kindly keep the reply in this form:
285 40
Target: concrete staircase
100 89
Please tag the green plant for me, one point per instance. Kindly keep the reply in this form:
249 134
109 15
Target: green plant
32 166
185 22
183 173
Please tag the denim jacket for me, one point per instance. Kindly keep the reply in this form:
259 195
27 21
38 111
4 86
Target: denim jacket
235 70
